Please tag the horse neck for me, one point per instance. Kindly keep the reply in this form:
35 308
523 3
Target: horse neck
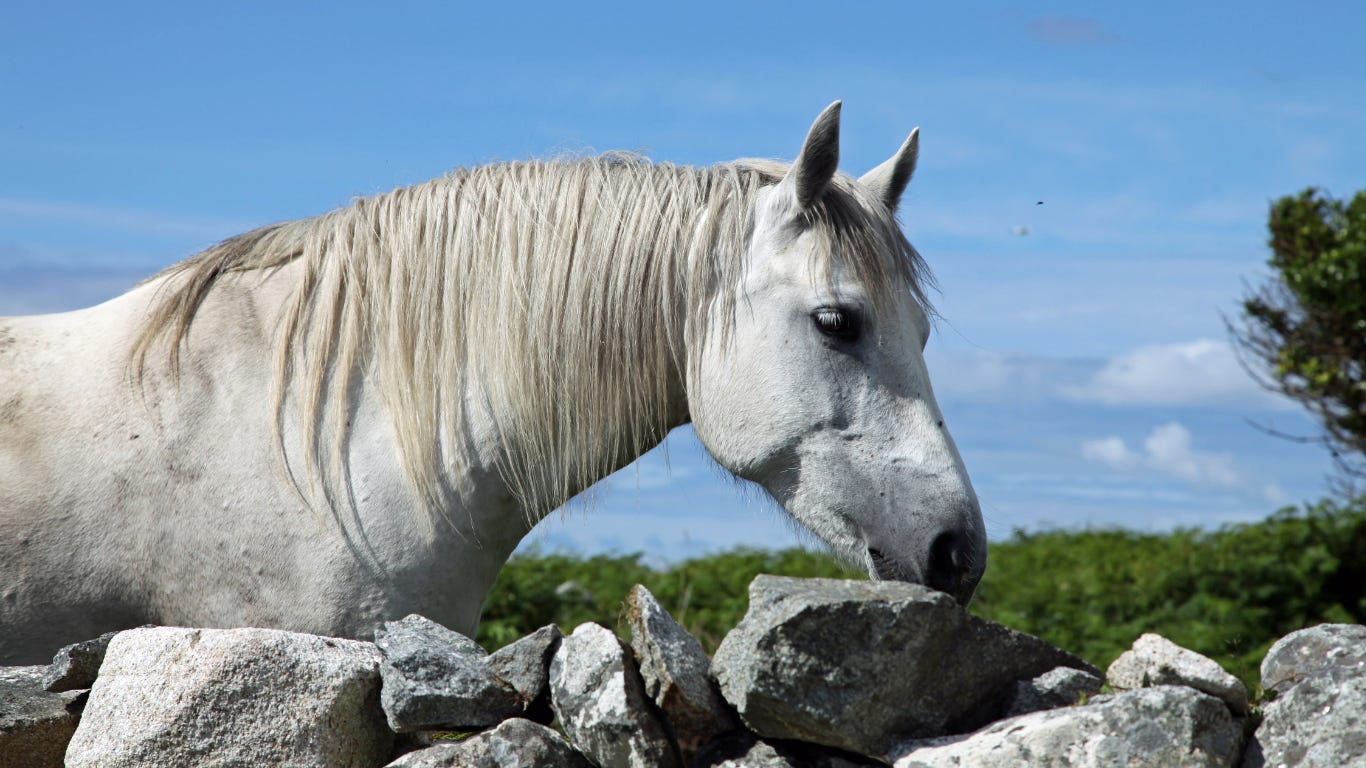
601 407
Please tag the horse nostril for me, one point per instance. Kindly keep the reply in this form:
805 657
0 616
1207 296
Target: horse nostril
885 569
949 564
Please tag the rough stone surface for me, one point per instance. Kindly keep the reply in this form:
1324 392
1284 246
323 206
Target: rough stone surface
1061 687
740 749
1328 650
232 697
677 674
436 678
1161 726
600 699
524 665
35 725
1319 717
861 665
76 666
517 743
1155 660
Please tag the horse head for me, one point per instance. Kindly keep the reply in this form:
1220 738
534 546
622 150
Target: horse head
811 380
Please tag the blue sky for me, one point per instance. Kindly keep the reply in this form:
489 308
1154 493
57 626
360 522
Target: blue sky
1082 361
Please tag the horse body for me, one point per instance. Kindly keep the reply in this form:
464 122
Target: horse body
359 418
166 504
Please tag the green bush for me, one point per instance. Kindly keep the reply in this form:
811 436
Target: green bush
1227 594
707 595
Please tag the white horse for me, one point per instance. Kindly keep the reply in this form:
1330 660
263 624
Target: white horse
327 423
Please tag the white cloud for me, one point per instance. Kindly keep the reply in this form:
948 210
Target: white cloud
1168 450
1201 372
1110 451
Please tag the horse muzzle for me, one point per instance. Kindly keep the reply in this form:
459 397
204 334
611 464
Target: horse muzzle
954 565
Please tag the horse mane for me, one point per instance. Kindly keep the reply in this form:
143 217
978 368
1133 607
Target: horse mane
559 295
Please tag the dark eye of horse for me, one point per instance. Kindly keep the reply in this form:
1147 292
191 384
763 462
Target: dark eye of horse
837 323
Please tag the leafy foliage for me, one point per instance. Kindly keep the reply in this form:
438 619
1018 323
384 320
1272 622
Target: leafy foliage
707 595
1227 594
1308 325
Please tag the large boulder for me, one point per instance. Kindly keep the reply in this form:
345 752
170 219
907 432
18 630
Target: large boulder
1318 718
517 743
1148 728
861 665
1060 687
1326 651
596 690
35 725
175 697
524 666
76 666
436 678
1155 660
677 674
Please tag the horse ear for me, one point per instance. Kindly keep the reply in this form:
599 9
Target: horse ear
820 155
889 180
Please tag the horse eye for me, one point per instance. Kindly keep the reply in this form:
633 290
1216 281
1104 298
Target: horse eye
836 322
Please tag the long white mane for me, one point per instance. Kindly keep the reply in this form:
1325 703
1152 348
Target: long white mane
559 295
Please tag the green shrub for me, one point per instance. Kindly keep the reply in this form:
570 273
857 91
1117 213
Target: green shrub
1227 594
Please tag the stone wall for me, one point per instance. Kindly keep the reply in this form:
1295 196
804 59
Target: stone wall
819 673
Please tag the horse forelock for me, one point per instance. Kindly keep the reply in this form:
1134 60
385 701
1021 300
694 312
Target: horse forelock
555 296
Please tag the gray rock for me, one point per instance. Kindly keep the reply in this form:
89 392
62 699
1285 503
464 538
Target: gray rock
525 666
1319 717
517 743
677 674
35 725
740 749
600 699
1157 727
1061 687
1328 650
438 679
1155 660
75 666
174 697
860 665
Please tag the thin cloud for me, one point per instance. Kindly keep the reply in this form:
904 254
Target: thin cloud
1069 30
1200 372
121 219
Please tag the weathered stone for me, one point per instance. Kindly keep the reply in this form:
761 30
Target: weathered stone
1061 687
517 743
1155 660
525 666
677 674
861 665
1332 650
600 699
436 678
76 666
1161 726
741 749
173 697
1319 717
35 725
